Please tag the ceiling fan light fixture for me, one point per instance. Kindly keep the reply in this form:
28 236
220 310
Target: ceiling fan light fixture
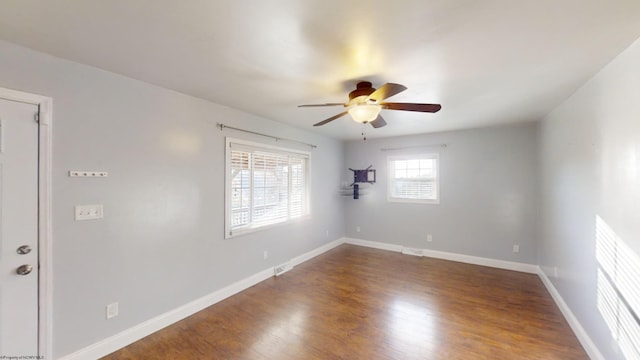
364 113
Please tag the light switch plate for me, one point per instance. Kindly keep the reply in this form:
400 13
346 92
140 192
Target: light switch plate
89 212
112 310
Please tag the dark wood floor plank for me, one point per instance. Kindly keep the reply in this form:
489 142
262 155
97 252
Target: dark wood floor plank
360 303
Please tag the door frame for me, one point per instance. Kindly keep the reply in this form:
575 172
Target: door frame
45 276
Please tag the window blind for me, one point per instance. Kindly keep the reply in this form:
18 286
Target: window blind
267 186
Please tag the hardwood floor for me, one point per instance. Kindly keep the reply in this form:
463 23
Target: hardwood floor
359 303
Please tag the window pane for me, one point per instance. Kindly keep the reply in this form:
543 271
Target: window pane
239 159
426 172
298 182
427 168
270 188
426 163
414 179
413 173
239 188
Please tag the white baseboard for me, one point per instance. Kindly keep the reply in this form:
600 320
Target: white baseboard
120 340
373 244
500 264
588 344
476 260
318 251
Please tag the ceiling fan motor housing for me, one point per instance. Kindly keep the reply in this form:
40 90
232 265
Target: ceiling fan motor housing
363 88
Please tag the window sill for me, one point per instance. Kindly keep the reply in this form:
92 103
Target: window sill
245 231
414 201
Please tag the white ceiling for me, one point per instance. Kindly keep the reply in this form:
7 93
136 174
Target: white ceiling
487 62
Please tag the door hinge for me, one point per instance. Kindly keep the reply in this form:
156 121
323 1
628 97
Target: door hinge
36 117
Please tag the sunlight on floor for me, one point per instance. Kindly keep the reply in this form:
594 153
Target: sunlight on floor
413 325
618 288
274 340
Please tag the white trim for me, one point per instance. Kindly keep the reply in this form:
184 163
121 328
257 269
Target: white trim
120 340
318 251
392 178
500 264
374 244
588 344
476 260
45 273
412 251
259 146
282 268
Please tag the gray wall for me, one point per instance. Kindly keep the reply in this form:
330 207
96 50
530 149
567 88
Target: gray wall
488 202
590 164
161 243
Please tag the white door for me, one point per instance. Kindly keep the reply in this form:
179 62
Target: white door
18 229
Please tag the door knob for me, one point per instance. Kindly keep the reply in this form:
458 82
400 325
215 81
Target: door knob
24 270
24 250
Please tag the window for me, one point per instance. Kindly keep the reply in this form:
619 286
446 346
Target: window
414 178
264 186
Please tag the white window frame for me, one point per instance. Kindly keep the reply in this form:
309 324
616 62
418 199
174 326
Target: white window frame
392 178
231 232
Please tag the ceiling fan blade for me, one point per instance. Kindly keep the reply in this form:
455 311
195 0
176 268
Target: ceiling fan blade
331 118
378 122
430 108
318 105
387 90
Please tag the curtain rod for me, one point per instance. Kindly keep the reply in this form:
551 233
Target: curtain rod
414 147
223 126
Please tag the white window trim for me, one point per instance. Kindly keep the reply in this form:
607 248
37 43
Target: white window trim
391 178
228 231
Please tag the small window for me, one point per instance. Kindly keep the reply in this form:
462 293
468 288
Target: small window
414 178
264 186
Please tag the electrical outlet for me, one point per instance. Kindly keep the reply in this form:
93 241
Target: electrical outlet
112 310
429 238
265 255
89 212
516 248
357 228
326 233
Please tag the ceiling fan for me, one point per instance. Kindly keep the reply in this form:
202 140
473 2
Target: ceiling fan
365 104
